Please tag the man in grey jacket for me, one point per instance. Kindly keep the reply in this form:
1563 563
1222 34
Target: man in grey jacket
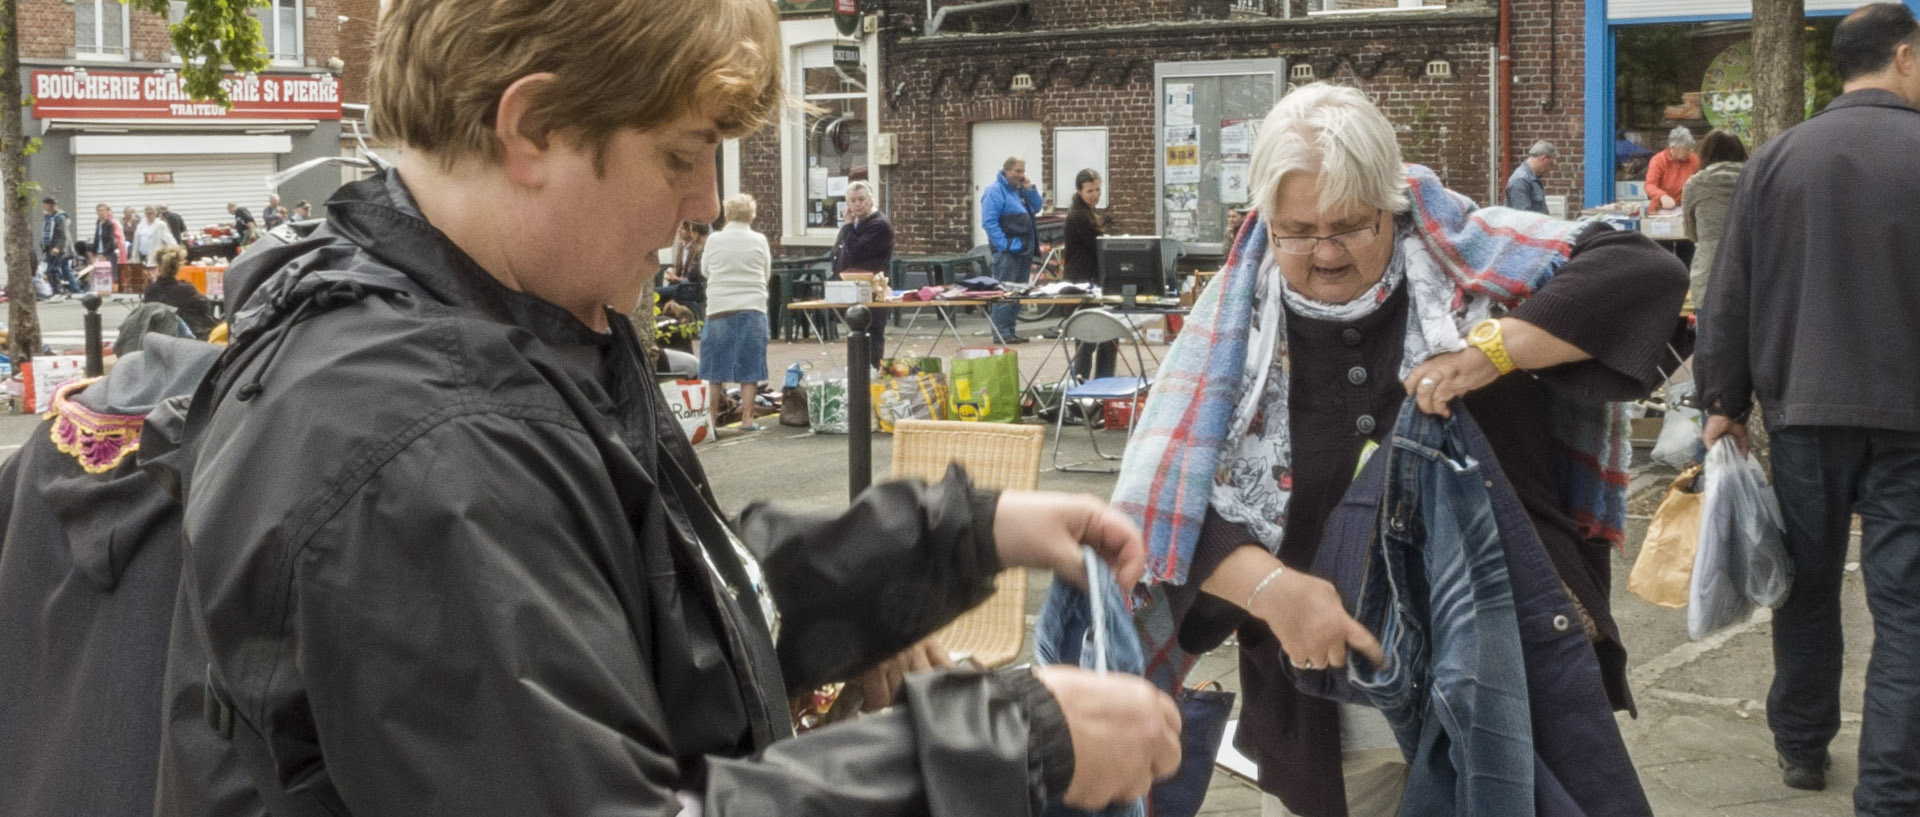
1811 312
1524 191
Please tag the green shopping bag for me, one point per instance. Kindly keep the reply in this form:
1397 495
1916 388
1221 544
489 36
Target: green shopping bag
984 385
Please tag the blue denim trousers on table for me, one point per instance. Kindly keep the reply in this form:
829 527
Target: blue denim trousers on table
1009 268
1823 475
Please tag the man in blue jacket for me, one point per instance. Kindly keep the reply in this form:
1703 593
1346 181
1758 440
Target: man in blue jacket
1006 211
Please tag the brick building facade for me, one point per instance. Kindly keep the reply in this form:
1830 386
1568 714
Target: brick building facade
115 128
1092 63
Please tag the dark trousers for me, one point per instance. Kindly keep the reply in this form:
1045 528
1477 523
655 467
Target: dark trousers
1093 360
1822 475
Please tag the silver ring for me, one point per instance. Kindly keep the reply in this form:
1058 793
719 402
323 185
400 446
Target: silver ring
1428 382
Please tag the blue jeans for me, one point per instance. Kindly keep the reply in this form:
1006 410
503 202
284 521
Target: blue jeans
1822 475
60 273
1009 268
1580 766
1063 634
1460 711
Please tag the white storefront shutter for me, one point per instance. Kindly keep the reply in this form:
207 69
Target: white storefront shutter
201 188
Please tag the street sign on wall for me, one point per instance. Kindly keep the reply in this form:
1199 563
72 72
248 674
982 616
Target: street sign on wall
87 94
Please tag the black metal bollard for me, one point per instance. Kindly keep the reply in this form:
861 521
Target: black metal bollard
96 357
859 402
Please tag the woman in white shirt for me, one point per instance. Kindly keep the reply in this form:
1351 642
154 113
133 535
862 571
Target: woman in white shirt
151 237
733 346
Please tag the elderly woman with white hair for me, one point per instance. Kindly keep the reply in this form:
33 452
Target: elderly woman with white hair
1669 170
865 244
1358 284
733 345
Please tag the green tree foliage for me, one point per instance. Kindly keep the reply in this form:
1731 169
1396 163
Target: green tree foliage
214 38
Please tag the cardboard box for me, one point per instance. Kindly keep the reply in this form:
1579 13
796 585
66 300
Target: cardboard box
1664 227
848 292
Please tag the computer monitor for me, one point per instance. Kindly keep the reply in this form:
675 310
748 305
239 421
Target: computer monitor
1131 266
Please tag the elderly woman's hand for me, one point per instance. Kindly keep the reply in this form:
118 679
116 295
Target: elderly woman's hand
1046 529
1445 377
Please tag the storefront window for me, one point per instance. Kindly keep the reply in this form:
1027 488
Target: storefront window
1207 116
1697 76
831 78
100 29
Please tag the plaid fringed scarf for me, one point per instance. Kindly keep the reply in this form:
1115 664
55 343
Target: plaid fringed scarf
1476 259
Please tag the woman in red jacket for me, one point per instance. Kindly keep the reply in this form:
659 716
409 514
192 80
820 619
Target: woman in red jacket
1670 169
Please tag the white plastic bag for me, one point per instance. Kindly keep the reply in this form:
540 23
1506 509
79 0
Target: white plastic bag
1679 430
1742 558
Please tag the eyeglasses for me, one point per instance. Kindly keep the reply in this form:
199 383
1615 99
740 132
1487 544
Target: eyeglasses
1349 241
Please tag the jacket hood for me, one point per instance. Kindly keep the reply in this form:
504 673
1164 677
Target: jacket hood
106 516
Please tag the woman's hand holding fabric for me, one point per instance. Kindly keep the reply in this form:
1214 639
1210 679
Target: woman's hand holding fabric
1448 376
1303 611
1046 529
1305 614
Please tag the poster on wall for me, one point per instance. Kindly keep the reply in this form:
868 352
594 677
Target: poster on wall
1180 227
817 182
1183 154
1179 103
1183 198
1233 182
1236 138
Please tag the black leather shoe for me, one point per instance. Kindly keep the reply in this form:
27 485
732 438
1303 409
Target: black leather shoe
1018 339
1809 776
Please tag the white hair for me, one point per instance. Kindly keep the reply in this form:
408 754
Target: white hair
861 186
740 208
1680 137
1337 133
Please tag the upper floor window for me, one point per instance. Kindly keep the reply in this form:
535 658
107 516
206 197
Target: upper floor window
280 24
100 29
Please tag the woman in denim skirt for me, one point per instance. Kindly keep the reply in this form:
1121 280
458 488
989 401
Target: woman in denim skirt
733 346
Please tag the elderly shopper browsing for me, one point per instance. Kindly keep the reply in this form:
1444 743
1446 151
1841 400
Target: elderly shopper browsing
865 244
1361 283
733 345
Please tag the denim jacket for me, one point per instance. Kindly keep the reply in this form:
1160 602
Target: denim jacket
1491 684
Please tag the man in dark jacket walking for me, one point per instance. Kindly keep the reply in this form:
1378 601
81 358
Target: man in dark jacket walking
449 553
1811 312
56 245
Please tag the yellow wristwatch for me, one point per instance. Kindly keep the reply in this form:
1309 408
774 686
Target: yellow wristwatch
1486 337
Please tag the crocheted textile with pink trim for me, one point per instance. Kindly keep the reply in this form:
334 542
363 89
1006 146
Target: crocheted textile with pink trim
99 441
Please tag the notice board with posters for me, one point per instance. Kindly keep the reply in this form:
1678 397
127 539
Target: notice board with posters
1206 120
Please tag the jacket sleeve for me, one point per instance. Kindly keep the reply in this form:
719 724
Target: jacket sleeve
856 586
1031 197
1721 360
1658 169
958 746
1518 196
1618 299
471 653
991 203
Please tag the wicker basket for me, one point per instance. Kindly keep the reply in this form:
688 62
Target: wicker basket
1000 457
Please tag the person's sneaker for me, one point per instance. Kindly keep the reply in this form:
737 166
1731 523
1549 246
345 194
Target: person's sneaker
1810 776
